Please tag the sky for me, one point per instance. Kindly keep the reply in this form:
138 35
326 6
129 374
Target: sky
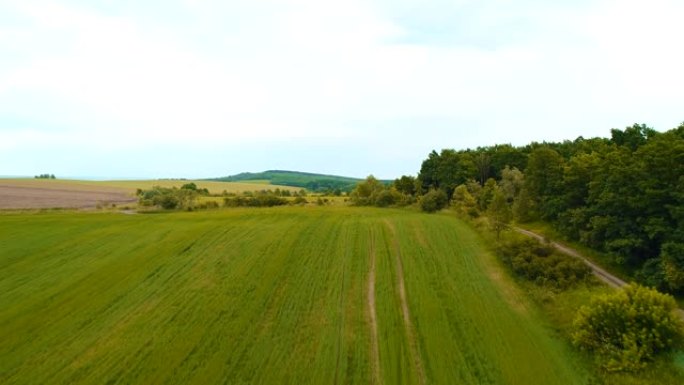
205 88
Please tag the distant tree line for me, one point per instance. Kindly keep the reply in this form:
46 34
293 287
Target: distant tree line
372 192
319 183
277 192
45 176
622 195
187 198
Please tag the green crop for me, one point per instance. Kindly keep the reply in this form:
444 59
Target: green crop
271 296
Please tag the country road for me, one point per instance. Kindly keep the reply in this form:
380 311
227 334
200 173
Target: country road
598 271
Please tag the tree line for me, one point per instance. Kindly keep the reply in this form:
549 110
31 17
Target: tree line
622 196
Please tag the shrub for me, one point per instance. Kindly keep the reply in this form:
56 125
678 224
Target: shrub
628 328
464 203
166 201
208 205
299 200
254 200
434 200
387 197
539 263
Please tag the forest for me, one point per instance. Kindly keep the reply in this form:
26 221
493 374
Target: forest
622 196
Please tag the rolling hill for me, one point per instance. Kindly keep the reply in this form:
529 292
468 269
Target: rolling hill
309 181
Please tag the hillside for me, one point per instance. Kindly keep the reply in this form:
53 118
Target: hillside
272 296
309 181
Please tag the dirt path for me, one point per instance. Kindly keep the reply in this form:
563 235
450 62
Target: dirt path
375 350
410 333
598 271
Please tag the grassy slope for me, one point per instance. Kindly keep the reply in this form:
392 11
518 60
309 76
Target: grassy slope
262 296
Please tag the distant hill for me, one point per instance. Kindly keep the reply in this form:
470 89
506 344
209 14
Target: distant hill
309 181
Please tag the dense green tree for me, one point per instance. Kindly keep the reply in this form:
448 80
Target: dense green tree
486 194
623 196
483 164
463 202
406 185
543 181
434 200
511 183
632 137
427 176
524 209
446 170
364 192
503 155
498 212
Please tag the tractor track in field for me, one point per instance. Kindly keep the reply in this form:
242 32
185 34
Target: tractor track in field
375 350
410 332
340 331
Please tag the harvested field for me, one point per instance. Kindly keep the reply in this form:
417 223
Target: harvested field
15 195
79 194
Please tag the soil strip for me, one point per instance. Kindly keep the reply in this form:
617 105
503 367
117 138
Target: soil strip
375 351
410 333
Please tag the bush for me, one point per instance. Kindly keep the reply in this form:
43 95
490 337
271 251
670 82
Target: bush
628 328
299 200
208 205
166 201
387 197
371 192
464 203
539 263
254 200
434 200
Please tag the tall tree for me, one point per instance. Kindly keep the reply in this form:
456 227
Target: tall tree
498 212
543 181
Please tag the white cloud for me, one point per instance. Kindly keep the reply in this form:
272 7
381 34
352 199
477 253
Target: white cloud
244 72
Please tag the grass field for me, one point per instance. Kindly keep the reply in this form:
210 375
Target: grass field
276 296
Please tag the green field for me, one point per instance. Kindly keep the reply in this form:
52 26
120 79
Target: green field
276 296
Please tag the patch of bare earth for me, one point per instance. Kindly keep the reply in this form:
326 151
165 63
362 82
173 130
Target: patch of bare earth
14 196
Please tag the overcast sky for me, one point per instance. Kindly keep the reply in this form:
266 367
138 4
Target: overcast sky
193 88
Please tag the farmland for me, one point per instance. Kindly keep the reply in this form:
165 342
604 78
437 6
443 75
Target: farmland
48 193
288 295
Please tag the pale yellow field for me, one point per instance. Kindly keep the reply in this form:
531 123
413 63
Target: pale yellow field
61 193
132 185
